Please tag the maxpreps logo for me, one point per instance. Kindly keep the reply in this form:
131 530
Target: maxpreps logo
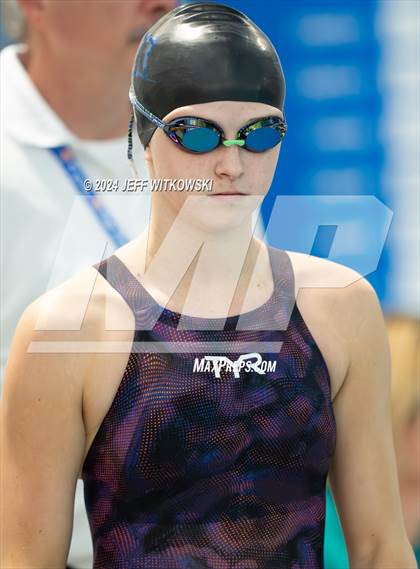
246 362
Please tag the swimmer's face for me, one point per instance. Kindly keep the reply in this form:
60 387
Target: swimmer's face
101 32
232 169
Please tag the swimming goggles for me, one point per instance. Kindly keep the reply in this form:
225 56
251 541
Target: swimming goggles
198 135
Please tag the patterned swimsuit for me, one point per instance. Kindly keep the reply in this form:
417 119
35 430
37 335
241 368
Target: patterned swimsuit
215 450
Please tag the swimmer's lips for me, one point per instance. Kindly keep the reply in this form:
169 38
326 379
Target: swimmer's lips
218 194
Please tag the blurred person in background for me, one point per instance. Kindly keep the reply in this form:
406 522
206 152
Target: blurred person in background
56 95
404 336
404 339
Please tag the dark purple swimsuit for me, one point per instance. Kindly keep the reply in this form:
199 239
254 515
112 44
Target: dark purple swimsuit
213 463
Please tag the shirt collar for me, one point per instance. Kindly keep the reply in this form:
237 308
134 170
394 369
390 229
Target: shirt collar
29 119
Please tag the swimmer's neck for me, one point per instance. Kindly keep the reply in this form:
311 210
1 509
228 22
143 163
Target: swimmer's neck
214 276
90 99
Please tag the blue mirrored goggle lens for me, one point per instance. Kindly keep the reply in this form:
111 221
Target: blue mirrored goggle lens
263 138
200 139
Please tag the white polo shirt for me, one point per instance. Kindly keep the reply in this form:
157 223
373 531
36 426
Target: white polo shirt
49 233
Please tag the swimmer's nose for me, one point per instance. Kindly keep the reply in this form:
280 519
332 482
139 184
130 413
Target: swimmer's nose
229 161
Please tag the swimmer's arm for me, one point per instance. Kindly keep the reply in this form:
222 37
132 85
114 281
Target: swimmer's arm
363 474
43 441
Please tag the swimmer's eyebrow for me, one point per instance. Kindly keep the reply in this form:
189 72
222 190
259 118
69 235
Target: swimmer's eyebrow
260 117
245 121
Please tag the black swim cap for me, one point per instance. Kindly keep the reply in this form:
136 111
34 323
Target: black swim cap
199 53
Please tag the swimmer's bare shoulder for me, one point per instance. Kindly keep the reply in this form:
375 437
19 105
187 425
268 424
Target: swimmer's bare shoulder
346 319
329 296
51 396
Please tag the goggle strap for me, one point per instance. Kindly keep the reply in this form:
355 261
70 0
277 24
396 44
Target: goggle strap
134 170
130 137
136 103
130 147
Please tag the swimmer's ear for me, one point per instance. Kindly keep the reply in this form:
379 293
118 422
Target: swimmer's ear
147 153
148 157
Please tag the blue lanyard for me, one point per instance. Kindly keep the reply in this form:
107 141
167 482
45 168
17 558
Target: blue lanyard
68 161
